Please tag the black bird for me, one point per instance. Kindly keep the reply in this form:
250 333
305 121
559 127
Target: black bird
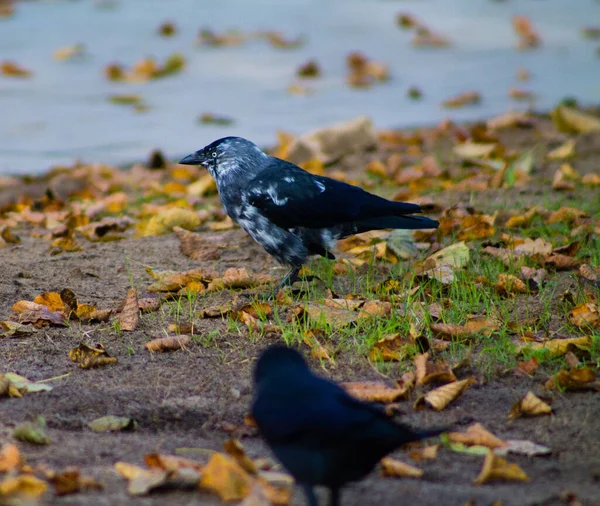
321 434
292 213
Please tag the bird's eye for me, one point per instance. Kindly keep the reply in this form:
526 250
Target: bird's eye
214 154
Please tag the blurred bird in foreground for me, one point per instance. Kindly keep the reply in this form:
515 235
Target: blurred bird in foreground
321 434
292 213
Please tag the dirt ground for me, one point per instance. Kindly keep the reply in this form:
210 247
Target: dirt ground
183 399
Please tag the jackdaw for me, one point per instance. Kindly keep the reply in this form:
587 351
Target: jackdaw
321 434
290 212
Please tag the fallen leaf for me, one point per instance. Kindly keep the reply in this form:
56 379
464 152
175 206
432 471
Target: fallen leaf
439 398
88 357
396 469
529 405
466 98
572 121
476 435
585 315
497 469
224 476
111 423
522 447
165 221
457 255
141 481
528 37
32 432
429 372
168 343
130 314
25 386
10 458
13 69
337 317
171 462
590 275
509 285
376 391
528 366
562 152
70 481
572 379
426 453
15 329
52 300
470 329
559 347
23 489
234 448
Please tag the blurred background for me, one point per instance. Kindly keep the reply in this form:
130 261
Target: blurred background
110 80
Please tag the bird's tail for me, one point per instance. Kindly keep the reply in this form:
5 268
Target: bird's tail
383 222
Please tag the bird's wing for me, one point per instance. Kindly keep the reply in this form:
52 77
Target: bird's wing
313 411
291 197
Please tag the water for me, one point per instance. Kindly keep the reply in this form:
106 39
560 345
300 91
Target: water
62 112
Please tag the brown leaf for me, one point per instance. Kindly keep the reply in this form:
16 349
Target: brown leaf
22 489
585 315
590 275
376 391
529 405
234 448
168 343
392 348
466 98
375 308
439 398
394 468
428 372
171 462
224 476
88 357
199 246
496 468
70 481
509 285
561 262
130 314
479 325
13 69
572 121
528 366
476 435
238 278
573 379
329 315
426 453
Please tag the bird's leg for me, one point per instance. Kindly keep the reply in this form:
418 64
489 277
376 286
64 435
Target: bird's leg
310 495
288 280
334 498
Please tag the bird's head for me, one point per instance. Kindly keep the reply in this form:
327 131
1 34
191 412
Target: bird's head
277 360
228 156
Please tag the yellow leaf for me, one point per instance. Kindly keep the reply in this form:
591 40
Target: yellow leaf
141 480
439 398
559 347
397 469
585 315
376 391
225 477
52 300
18 489
496 468
572 121
562 152
476 435
164 222
529 405
10 458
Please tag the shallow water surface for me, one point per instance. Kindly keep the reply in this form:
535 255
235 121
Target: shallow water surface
62 113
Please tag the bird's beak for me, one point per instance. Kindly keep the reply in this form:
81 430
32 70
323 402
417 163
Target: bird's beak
193 159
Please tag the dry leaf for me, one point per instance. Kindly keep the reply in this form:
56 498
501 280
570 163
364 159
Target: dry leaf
376 391
166 220
70 481
52 300
528 366
171 462
426 453
336 317
439 398
10 459
529 405
23 489
573 379
466 98
88 357
479 325
496 468
130 314
111 423
509 285
476 435
234 448
141 481
564 151
522 447
572 121
168 343
395 468
585 315
428 372
225 477
559 347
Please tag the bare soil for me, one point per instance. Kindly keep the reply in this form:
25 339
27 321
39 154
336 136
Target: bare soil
185 399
